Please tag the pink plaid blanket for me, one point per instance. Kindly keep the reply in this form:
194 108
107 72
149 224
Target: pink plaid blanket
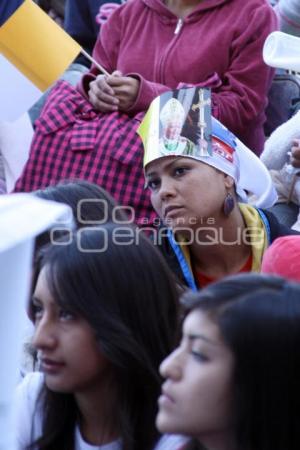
73 141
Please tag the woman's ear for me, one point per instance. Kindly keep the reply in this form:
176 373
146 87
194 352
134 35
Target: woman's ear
228 181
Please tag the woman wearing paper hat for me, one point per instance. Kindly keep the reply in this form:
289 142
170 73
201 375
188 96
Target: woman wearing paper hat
149 47
202 198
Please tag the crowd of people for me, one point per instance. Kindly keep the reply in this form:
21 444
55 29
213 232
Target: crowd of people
168 317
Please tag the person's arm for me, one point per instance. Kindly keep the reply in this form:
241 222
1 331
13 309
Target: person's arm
127 92
243 93
282 141
146 92
105 51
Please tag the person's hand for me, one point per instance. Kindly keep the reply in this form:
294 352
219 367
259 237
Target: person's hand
125 88
295 153
102 95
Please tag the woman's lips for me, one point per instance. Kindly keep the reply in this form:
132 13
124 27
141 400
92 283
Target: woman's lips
51 367
165 399
171 210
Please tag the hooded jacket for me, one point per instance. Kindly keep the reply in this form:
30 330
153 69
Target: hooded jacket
219 43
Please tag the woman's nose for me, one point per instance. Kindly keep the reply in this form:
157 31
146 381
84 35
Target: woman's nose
171 366
44 336
167 188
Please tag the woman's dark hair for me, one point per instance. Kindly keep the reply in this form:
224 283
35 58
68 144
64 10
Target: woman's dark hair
91 205
259 319
117 281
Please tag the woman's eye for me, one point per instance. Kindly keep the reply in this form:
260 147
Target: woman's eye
180 170
153 184
66 315
199 356
37 312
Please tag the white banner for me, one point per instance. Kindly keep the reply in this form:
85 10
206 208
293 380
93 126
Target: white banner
17 93
22 217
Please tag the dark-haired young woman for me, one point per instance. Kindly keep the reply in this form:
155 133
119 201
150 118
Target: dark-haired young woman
233 382
91 205
105 315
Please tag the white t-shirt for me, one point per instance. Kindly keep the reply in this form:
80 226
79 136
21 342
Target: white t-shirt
28 415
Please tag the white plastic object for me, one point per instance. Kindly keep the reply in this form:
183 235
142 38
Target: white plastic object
282 51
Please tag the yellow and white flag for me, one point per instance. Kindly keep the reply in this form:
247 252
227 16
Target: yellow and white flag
36 45
34 53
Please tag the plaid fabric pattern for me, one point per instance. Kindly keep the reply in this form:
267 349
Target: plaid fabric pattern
72 141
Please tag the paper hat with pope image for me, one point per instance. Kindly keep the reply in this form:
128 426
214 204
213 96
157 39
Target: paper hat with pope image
179 123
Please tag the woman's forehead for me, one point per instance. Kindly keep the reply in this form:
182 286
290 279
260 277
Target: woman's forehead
197 323
165 162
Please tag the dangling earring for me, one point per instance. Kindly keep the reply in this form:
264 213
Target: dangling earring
228 204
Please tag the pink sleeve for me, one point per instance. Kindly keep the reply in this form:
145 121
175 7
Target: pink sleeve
105 51
148 90
243 93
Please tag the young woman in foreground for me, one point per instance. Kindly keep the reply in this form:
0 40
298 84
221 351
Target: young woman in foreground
233 382
105 316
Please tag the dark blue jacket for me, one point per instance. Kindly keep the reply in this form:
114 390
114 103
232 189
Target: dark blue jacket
7 8
80 23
